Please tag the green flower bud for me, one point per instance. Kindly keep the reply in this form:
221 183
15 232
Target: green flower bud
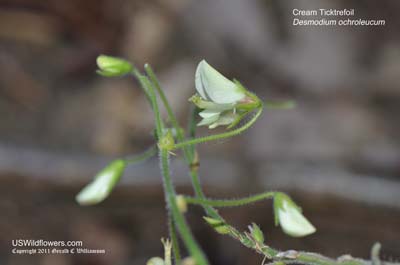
102 185
113 66
256 233
218 225
167 141
181 202
288 215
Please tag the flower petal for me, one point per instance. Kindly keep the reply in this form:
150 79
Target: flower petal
212 85
225 119
293 222
199 83
209 113
102 185
204 104
208 121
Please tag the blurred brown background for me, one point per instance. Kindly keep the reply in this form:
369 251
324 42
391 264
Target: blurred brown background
337 153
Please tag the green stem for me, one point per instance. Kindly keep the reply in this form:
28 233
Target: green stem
286 104
192 131
140 78
157 114
230 202
179 134
189 151
171 115
152 151
178 217
221 135
174 240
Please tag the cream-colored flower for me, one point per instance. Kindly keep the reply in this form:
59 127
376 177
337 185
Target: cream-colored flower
290 218
102 184
219 97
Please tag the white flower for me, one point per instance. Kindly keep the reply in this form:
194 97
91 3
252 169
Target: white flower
219 97
290 218
214 87
102 185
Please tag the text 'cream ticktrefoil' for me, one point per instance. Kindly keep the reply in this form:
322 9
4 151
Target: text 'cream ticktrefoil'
102 184
223 102
288 215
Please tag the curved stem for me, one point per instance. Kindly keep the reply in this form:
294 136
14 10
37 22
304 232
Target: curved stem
157 114
230 202
171 115
152 151
221 135
140 78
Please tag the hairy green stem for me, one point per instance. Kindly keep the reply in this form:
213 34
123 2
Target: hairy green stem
152 151
175 242
140 78
188 151
221 135
230 202
179 134
177 216
191 127
287 104
171 115
288 257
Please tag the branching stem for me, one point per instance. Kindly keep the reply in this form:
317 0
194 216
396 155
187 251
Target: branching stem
230 202
221 135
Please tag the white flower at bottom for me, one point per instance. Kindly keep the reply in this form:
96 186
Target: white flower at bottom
102 185
213 118
290 218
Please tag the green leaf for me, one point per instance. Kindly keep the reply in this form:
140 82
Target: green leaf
256 233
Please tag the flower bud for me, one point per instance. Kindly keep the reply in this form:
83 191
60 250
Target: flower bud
181 202
112 66
188 261
102 185
155 261
167 141
288 215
